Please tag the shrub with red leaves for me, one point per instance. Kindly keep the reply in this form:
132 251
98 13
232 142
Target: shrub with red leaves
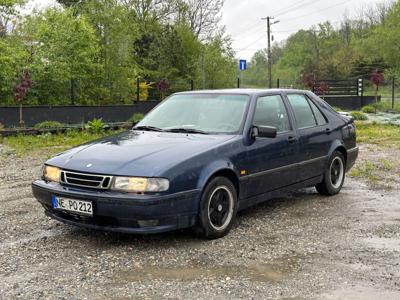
163 87
377 78
23 87
309 80
20 92
323 88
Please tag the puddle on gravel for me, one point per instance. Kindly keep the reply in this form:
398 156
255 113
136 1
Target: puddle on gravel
259 272
361 293
390 244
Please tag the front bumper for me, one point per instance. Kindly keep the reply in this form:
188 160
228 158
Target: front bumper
122 212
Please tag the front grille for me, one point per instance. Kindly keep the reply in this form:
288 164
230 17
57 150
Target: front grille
93 181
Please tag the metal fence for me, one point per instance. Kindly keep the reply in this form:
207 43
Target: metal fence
32 115
389 90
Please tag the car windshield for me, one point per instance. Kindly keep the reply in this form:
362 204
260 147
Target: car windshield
198 113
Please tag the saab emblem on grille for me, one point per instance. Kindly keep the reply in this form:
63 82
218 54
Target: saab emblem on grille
89 165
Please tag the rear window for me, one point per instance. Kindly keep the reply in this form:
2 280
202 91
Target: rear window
302 111
317 113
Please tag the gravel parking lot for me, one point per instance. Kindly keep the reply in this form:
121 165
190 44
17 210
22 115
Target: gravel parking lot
302 246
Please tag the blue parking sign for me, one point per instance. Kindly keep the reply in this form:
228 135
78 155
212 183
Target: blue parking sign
242 64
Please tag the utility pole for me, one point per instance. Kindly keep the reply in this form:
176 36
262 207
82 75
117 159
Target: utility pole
269 24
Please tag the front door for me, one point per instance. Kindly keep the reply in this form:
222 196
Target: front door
271 162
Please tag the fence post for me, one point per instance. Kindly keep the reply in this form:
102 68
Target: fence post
72 92
361 90
137 89
393 83
238 83
192 84
277 83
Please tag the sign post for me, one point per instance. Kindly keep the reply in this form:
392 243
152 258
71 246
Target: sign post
242 67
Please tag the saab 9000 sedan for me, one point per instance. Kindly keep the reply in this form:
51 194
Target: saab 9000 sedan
197 159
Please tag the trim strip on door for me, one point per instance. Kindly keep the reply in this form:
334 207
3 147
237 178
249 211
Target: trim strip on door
306 162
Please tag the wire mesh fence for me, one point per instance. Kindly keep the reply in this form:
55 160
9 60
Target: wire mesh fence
388 92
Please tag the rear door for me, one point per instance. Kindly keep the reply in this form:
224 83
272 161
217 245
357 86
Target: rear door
314 135
271 162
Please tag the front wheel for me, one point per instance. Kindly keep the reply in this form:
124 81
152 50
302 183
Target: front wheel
218 208
333 176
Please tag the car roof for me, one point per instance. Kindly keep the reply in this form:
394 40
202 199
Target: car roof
250 92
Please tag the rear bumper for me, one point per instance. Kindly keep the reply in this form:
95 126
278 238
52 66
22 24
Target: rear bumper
352 155
122 212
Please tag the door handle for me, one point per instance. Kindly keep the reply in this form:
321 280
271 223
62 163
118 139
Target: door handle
292 139
328 130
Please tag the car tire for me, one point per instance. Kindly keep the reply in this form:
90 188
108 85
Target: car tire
218 208
334 175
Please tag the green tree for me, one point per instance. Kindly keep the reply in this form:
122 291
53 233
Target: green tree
117 32
13 57
64 55
217 64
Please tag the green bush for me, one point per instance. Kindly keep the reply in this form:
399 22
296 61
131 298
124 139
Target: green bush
137 117
359 116
1 127
49 124
381 106
397 108
369 109
337 108
96 126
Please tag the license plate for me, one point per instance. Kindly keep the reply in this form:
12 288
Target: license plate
72 205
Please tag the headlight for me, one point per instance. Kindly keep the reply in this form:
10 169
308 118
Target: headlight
140 185
52 173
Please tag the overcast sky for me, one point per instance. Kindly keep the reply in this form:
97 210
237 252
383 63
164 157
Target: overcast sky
242 18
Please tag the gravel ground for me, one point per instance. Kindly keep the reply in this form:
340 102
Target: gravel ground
303 246
379 166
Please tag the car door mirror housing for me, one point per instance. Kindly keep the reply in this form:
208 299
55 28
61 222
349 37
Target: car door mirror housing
264 132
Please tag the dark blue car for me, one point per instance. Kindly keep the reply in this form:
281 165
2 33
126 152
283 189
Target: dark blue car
197 159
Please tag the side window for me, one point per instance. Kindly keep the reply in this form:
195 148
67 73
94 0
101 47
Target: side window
317 113
302 111
271 111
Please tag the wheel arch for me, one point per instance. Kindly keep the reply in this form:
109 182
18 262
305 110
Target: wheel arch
338 146
222 169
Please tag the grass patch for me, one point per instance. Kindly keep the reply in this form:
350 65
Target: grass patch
386 165
137 117
50 143
387 135
358 115
374 172
366 171
369 109
49 124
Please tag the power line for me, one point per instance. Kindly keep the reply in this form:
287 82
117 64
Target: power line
297 7
317 11
248 29
285 8
252 43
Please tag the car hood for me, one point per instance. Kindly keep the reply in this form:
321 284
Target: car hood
136 153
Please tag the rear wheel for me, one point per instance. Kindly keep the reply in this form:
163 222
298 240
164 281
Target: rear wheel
218 208
333 176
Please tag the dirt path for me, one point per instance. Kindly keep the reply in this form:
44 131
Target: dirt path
300 247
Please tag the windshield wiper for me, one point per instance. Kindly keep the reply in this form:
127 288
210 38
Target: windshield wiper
187 130
147 128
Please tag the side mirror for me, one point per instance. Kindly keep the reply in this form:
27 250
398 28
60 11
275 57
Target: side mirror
264 132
